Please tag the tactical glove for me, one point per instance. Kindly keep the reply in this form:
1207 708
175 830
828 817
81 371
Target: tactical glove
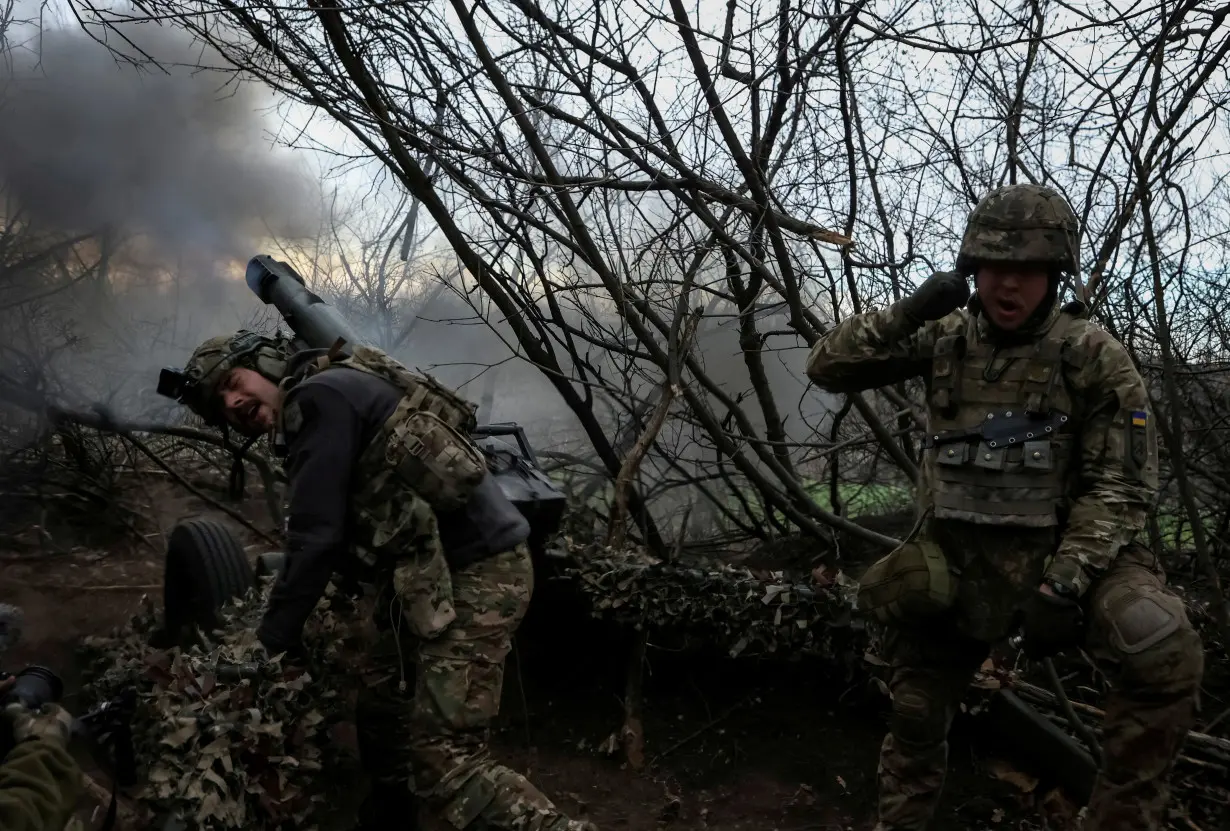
51 722
942 293
1050 623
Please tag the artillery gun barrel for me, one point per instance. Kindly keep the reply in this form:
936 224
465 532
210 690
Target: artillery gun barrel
317 324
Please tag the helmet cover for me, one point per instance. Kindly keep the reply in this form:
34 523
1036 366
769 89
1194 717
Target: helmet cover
1021 224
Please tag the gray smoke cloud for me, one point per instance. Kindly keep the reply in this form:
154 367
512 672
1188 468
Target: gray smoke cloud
88 143
169 173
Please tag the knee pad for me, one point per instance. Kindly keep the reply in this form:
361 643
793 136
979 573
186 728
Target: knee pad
1140 617
1156 643
916 719
1172 666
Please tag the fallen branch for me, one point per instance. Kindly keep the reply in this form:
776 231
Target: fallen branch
79 587
1218 719
197 492
1065 704
100 419
1194 738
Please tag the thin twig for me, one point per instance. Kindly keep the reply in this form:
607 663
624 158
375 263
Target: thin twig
702 729
197 492
1218 720
1073 719
81 587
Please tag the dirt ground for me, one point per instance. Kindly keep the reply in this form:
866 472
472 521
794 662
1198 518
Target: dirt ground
730 745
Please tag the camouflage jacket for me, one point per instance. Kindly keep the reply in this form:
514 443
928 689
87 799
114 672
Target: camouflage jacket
40 784
1112 476
345 499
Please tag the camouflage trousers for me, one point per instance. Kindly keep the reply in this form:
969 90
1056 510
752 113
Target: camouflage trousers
425 710
1141 638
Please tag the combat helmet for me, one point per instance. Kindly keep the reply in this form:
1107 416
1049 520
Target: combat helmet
1023 224
196 385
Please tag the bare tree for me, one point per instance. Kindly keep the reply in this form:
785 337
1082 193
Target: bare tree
599 171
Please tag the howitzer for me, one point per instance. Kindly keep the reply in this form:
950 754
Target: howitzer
317 325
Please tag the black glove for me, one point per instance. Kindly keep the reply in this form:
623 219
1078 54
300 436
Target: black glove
1050 622
942 293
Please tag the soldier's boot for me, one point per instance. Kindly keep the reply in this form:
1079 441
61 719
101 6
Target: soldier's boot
480 793
911 778
926 690
1148 716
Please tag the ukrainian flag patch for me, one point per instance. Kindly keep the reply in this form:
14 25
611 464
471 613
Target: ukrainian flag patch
1140 418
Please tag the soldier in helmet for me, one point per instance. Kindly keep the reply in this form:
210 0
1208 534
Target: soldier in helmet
1039 471
385 488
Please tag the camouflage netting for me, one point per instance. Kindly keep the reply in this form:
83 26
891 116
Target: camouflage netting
722 606
224 752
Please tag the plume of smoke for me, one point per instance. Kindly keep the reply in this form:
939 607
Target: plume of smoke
174 155
167 168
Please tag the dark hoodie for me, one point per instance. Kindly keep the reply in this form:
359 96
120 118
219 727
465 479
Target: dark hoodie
341 411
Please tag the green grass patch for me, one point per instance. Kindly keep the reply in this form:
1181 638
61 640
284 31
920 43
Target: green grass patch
880 499
862 500
856 499
1177 532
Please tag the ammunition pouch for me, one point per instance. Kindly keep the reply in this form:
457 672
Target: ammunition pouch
913 582
432 458
425 591
1000 443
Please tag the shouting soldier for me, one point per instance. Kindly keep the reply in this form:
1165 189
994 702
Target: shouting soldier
386 487
1039 472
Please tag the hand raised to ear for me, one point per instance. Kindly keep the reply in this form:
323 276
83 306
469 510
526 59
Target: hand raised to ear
940 294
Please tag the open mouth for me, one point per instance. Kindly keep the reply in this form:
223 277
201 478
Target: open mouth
251 412
1009 307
